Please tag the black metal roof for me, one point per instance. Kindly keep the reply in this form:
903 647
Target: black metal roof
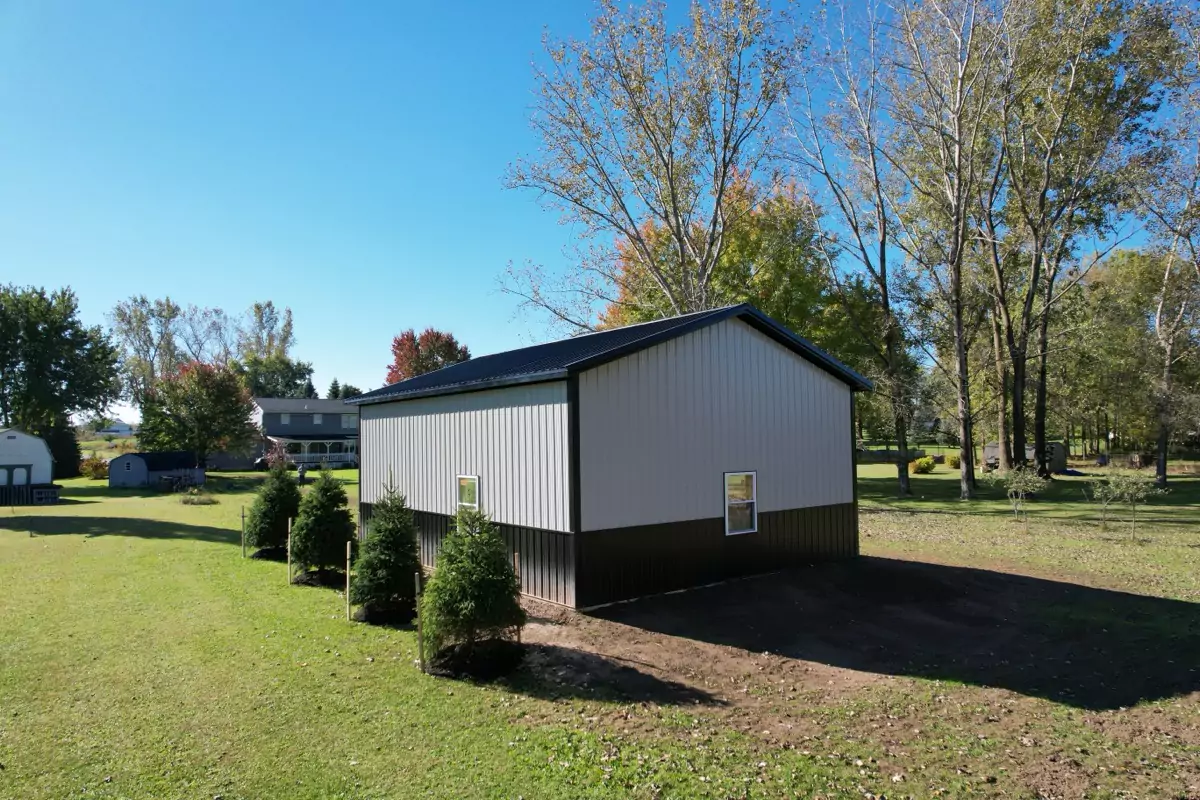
557 360
161 462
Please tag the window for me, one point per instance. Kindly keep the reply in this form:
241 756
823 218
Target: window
317 419
350 421
129 466
468 491
741 502
285 419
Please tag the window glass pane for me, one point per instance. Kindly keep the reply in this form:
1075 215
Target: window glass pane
741 517
739 487
468 491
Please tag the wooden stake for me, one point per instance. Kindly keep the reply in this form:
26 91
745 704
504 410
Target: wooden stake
243 531
347 581
289 551
420 633
517 571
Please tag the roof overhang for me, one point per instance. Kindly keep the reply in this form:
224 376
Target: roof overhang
463 388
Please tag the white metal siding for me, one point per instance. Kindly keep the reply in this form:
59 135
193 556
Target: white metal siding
659 428
514 439
21 449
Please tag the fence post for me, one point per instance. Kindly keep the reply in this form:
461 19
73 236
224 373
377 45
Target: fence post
420 631
347 580
289 552
243 531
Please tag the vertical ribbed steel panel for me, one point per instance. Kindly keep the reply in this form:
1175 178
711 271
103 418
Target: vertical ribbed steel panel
658 429
511 438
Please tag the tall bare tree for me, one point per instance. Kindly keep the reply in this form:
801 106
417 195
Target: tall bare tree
1077 84
941 99
146 332
644 127
838 131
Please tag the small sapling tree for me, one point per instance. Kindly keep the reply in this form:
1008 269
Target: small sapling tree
1018 485
1133 489
474 595
383 578
323 526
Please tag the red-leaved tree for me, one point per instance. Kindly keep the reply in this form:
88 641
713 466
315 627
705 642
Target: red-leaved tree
414 355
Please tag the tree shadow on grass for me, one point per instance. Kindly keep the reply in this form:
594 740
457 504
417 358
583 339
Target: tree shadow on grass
92 527
1084 647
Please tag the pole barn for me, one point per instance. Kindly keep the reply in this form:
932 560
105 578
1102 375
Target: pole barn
631 461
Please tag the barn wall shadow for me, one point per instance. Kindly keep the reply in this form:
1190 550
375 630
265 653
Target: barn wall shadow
117 526
1085 647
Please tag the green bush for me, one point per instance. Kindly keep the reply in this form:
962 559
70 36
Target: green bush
474 595
278 501
383 576
323 526
922 466
94 468
954 461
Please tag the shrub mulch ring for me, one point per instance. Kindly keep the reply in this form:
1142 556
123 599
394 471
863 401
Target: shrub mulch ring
271 554
322 578
488 660
376 615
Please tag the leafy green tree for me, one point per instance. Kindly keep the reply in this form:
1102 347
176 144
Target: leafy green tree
474 594
146 332
275 375
350 390
383 577
323 526
51 365
199 408
278 500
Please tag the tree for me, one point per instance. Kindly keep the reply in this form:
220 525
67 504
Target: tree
278 501
310 391
383 577
414 355
199 408
207 334
51 365
267 332
350 390
323 526
642 125
335 390
275 376
1070 123
841 155
146 330
474 593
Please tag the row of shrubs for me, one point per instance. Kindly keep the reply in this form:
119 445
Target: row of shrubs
926 464
474 595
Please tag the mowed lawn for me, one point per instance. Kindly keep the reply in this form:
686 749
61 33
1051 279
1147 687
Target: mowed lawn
142 657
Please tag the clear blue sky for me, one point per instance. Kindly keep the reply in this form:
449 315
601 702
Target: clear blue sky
342 159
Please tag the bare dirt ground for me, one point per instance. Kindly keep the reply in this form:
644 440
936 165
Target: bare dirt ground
1021 685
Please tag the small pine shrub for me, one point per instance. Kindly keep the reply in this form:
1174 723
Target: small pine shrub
94 468
954 461
922 466
323 526
278 501
383 576
474 595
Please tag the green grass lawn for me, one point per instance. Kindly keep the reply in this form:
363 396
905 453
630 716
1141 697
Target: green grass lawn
141 657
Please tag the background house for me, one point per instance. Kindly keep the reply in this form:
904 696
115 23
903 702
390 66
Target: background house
154 470
26 469
117 428
632 461
311 431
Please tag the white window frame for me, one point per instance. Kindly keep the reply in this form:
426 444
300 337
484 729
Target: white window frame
753 501
318 419
458 503
350 422
285 419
